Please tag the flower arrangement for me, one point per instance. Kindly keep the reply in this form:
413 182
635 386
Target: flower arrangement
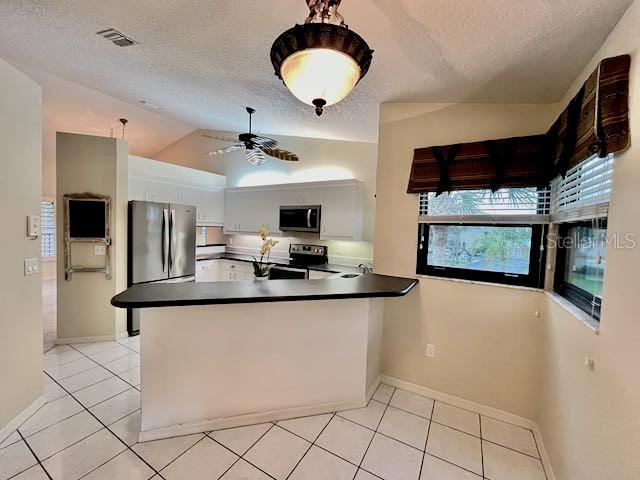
260 268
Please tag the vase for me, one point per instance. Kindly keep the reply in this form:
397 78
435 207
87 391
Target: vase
260 279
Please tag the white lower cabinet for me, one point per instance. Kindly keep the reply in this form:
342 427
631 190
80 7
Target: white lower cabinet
223 271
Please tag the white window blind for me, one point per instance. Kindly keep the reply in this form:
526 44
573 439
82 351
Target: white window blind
48 229
505 206
584 192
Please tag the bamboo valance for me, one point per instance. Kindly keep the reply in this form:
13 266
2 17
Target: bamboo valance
596 121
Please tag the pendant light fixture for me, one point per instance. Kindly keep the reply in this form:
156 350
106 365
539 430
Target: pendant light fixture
322 60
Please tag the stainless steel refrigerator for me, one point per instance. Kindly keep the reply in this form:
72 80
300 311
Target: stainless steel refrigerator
162 247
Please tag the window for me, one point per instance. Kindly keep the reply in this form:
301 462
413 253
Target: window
48 229
483 235
580 263
580 204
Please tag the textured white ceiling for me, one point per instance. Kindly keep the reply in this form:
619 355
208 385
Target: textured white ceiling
201 60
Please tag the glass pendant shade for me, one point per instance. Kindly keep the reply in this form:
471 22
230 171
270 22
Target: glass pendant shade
320 74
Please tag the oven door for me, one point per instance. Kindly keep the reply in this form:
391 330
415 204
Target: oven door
304 218
287 273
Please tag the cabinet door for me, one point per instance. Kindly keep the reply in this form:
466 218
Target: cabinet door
163 192
339 212
191 196
138 189
286 197
213 206
312 196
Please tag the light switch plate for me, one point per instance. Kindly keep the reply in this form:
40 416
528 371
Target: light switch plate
100 250
31 266
33 226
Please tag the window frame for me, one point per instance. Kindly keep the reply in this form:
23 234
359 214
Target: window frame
43 227
579 297
537 258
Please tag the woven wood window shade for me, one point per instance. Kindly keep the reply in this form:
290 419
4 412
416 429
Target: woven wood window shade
492 164
596 121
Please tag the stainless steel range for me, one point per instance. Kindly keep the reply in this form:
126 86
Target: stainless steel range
300 257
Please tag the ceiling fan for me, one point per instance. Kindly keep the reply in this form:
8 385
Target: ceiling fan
256 147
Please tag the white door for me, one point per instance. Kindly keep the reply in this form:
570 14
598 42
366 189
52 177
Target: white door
163 192
138 189
339 209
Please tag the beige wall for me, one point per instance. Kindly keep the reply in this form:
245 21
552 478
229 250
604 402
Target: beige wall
319 160
590 420
490 348
487 338
96 165
20 295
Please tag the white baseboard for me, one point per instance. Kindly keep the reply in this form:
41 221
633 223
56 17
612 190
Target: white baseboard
372 389
99 338
544 456
478 408
243 420
21 418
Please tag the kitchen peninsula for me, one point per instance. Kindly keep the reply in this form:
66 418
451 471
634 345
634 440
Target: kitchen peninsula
216 355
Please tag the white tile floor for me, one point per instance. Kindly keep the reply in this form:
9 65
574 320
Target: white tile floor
89 429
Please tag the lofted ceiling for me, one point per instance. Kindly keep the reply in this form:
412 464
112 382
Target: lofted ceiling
202 60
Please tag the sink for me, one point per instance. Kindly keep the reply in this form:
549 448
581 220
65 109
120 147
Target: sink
350 275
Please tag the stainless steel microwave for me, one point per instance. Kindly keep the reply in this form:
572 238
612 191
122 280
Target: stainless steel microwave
305 218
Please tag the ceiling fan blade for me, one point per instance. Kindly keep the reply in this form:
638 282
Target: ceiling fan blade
264 142
281 154
230 148
219 139
255 156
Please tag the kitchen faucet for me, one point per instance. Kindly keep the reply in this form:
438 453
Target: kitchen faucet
367 269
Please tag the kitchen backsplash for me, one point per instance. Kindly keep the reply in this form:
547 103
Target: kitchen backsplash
209 235
346 253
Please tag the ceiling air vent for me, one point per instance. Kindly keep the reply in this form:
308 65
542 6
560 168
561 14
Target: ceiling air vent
118 38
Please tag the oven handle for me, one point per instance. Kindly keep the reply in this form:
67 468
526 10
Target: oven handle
309 218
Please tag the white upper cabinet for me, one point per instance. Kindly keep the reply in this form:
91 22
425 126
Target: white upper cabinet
248 209
154 181
191 196
245 210
341 214
213 206
162 192
138 189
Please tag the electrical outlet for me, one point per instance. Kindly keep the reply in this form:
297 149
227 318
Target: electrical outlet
430 351
339 250
100 250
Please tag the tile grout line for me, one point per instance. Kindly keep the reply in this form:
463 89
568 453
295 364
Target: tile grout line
481 447
107 428
34 456
424 452
241 457
311 445
375 431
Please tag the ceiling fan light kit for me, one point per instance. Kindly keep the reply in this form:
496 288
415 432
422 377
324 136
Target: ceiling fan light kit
321 61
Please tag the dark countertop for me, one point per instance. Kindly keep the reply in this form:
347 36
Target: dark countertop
214 293
327 267
212 245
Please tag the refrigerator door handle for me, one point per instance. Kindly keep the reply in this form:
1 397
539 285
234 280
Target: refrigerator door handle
165 240
174 239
